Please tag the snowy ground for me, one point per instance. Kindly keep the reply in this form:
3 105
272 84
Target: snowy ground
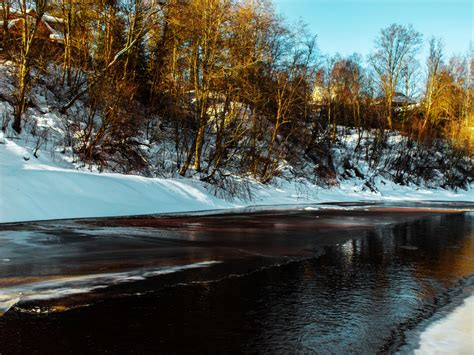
42 188
453 334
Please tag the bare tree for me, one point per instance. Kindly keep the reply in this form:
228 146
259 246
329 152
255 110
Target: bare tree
109 24
395 48
433 87
206 58
29 27
5 13
346 77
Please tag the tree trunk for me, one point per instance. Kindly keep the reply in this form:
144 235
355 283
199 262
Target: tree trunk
198 146
389 116
21 100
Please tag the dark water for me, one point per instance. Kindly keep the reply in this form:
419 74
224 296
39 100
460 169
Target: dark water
331 281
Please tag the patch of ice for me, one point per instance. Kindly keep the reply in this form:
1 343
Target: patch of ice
67 286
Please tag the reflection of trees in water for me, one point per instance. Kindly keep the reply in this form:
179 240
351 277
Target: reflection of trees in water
450 243
435 251
360 288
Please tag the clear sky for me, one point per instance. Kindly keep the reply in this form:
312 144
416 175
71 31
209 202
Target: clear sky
347 26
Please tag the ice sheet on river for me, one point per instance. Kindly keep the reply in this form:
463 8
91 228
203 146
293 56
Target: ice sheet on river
67 286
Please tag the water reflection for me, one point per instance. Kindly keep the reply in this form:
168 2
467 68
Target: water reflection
353 296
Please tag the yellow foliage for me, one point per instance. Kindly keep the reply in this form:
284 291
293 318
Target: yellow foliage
461 133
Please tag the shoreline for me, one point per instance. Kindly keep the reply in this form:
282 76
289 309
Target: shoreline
420 206
29 194
453 332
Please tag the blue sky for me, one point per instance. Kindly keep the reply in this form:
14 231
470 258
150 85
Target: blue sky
348 26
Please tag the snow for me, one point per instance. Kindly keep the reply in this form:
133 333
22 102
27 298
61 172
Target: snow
453 334
11 23
41 189
54 19
36 189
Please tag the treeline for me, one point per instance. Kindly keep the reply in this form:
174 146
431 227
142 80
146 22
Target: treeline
226 85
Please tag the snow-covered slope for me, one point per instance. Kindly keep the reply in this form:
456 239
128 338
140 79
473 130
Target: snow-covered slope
38 189
35 189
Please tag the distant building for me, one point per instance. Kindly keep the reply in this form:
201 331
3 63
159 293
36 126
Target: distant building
399 99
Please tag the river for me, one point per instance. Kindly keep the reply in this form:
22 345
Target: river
294 279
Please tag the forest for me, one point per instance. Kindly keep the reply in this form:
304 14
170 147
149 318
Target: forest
223 88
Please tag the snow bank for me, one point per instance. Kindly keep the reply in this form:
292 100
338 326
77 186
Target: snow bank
34 189
452 335
39 189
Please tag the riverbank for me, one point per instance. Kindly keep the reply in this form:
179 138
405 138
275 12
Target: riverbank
44 189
